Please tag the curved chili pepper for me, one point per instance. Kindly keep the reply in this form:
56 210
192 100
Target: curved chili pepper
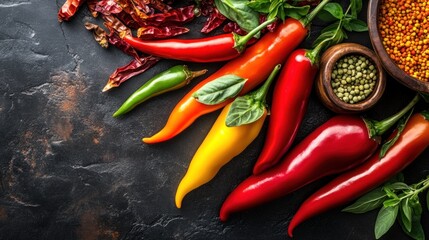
289 103
212 49
356 182
222 144
254 64
169 80
337 145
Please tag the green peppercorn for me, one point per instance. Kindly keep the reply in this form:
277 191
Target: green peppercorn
353 78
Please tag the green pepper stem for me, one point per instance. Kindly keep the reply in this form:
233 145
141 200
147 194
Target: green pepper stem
378 128
307 20
314 54
261 93
195 74
240 42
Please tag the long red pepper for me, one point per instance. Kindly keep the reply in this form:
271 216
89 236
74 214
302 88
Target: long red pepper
212 49
337 145
356 182
254 65
289 103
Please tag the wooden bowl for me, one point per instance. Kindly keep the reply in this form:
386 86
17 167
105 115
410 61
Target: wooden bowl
388 63
323 82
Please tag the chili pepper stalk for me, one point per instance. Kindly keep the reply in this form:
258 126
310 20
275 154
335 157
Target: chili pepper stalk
224 142
317 156
169 80
356 182
253 64
212 49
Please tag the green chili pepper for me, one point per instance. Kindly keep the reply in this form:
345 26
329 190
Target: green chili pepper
171 79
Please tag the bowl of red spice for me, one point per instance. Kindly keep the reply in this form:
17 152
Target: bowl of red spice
351 78
399 33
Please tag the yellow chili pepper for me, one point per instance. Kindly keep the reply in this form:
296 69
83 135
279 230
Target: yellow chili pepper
222 144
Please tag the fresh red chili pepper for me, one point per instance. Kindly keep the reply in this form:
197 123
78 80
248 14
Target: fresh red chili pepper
356 182
254 64
338 145
135 67
68 9
289 103
152 32
212 49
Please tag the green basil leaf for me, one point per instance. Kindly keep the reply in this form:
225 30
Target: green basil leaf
239 12
334 9
416 205
273 11
406 214
390 192
400 127
357 25
399 186
416 229
244 110
331 28
220 89
261 6
356 7
295 11
427 199
367 202
385 219
391 202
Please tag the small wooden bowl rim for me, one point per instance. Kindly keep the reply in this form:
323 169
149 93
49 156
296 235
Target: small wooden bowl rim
390 66
334 54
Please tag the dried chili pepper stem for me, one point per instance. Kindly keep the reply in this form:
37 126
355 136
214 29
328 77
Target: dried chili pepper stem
169 80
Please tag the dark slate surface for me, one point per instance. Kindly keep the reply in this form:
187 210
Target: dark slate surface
68 170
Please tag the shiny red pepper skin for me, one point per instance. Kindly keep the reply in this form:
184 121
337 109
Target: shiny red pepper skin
356 182
289 103
253 64
212 49
338 145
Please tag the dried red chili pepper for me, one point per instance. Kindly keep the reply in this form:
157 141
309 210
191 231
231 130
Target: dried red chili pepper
159 5
413 140
339 144
233 27
211 49
153 32
127 20
99 34
68 9
214 20
142 6
107 7
118 42
128 7
112 22
178 15
135 67
91 7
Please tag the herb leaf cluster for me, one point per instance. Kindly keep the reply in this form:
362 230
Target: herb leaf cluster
397 201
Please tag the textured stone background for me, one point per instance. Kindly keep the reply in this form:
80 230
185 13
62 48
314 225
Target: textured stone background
68 170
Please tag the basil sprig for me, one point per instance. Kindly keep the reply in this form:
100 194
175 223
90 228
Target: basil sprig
220 89
251 107
340 22
397 201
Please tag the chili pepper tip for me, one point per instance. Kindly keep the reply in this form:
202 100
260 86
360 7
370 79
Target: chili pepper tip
108 86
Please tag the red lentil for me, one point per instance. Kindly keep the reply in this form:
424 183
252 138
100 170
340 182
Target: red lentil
404 25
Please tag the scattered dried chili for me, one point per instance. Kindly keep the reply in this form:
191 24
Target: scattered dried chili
99 34
154 32
68 9
214 20
108 7
159 5
135 67
118 42
91 7
114 23
178 15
